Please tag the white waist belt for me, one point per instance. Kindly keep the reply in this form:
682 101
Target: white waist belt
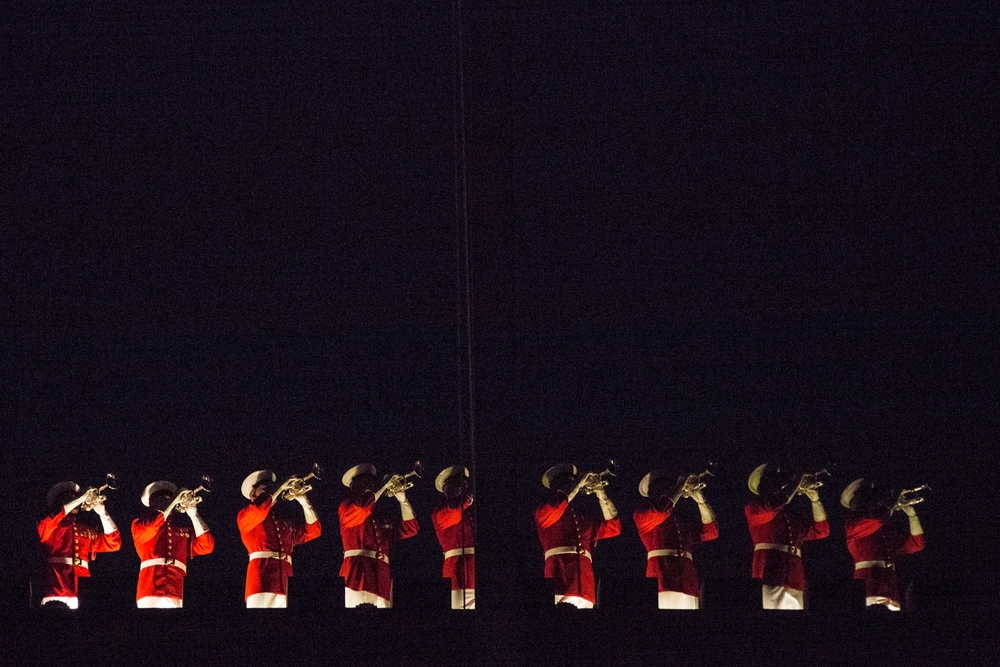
558 551
271 554
351 553
669 552
464 551
163 561
787 548
865 564
65 560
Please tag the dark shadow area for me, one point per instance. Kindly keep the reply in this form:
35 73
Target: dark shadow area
960 635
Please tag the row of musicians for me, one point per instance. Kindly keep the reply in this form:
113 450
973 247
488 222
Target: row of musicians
165 540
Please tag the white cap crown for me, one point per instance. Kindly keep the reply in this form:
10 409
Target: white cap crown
448 472
648 479
360 469
848 495
755 476
557 471
156 487
58 489
255 478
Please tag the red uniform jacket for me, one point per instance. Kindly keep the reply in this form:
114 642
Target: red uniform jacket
63 537
665 530
784 527
155 537
361 529
869 539
456 529
260 531
564 526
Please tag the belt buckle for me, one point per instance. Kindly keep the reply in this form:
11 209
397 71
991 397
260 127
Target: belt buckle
283 556
77 560
169 560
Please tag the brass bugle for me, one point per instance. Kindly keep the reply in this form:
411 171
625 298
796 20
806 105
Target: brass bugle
188 498
298 486
96 496
811 480
397 483
909 497
599 480
697 482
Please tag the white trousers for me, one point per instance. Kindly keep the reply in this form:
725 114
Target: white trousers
783 597
71 602
463 598
675 600
267 601
354 598
159 602
576 601
889 604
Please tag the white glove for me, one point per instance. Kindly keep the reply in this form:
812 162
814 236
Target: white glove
819 514
199 524
915 527
405 508
705 510
106 522
608 508
307 509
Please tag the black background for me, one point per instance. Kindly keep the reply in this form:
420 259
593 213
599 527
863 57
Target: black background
696 232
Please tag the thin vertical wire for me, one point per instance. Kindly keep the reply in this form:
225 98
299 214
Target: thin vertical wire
459 215
462 261
467 422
